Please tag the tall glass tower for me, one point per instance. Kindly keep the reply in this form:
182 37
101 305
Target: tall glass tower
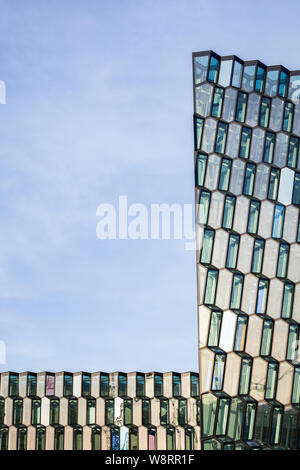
247 189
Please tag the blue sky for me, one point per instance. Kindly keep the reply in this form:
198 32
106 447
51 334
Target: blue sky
99 104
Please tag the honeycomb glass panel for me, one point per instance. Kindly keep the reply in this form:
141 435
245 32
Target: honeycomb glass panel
272 82
207 247
253 217
209 407
267 335
249 421
213 69
296 387
200 68
201 163
232 253
288 117
269 147
218 375
276 425
215 328
262 296
203 209
265 108
293 342
248 77
274 184
241 333
245 376
199 125
236 419
225 72
258 254
223 412
225 171
237 74
245 142
293 152
271 383
221 138
260 79
241 107
296 190
217 104
203 99
236 293
228 212
211 286
283 84
283 260
278 221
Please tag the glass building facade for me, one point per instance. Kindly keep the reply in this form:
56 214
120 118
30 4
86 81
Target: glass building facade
99 411
247 190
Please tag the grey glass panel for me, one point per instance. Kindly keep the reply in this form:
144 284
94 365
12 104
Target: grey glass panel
257 145
216 109
237 74
261 181
36 412
209 135
245 142
278 221
225 174
290 429
293 152
236 419
248 77
296 123
272 82
164 412
288 117
211 287
245 376
276 426
288 300
269 147
281 150
223 413
253 109
54 411
240 333
203 99
225 72
218 375
294 87
271 384
274 184
296 190
229 104
233 140
228 212
200 68
237 177
236 293
233 248
276 114
260 79
209 406
91 411
212 172
262 296
258 255
253 217
68 385
265 107
59 438
249 179
221 137
267 335
293 342
241 107
207 247
249 421
203 207
215 326
200 168
199 124
283 260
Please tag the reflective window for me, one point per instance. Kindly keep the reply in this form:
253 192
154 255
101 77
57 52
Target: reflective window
17 412
170 438
218 375
96 438
211 286
245 376
225 174
201 163
278 221
199 125
253 217
68 385
77 438
267 335
50 385
31 385
237 74
225 72
13 385
265 108
22 438
245 142
293 343
86 385
54 411
200 68
146 412
262 296
122 385
133 438
91 411
217 104
158 385
151 439
249 421
249 179
215 327
272 82
176 385
293 152
3 438
140 385
40 438
73 412
104 385
59 438
228 212
164 412
233 249
283 260
223 413
128 412
194 385
283 84
241 107
298 232
276 425
236 293
36 412
109 412
288 117
290 429
236 419
207 246
240 333
260 79
271 384
294 88
248 77
203 207
221 137
288 300
258 255
269 147
296 387
189 438
182 412
2 412
274 184
213 69
296 190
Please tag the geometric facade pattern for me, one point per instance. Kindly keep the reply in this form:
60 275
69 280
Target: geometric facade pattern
99 411
247 190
